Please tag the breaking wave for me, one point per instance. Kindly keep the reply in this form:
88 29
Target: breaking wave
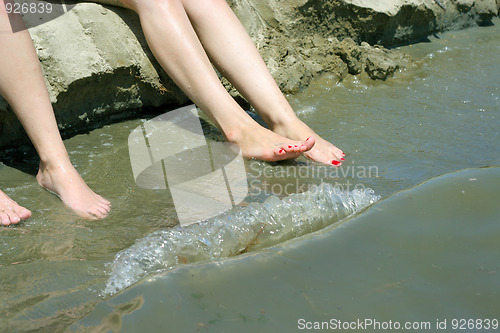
237 231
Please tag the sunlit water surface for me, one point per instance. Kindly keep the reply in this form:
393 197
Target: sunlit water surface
427 253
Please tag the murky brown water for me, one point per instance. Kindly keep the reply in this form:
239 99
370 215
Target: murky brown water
426 254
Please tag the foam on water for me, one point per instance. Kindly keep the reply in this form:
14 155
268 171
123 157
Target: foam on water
237 231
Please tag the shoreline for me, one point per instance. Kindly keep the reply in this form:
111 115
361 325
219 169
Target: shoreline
95 78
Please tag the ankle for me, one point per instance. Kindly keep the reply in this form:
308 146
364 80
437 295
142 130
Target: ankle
279 118
237 130
54 165
286 127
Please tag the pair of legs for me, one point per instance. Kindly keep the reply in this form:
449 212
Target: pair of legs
187 37
23 87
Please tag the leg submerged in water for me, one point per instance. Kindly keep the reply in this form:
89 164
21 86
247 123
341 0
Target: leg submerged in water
23 87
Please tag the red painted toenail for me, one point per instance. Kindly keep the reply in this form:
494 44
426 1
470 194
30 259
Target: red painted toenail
335 162
308 138
289 146
343 159
281 150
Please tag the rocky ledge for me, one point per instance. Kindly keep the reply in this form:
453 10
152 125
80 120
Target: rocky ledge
98 67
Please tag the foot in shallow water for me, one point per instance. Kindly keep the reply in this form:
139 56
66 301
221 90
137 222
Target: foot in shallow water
322 152
10 211
65 182
260 143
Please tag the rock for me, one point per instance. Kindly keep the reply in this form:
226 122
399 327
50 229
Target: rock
384 22
351 54
98 67
380 64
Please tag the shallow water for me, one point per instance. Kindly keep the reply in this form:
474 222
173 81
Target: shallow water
424 254
410 258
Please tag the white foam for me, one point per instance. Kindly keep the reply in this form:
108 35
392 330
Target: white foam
236 231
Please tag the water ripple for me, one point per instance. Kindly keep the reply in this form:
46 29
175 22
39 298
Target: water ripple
237 231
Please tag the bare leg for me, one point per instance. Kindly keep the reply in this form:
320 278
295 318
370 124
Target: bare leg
234 54
23 86
177 48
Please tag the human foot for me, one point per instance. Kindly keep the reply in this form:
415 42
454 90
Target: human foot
260 143
10 211
323 151
64 181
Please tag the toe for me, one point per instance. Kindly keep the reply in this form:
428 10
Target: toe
104 209
93 215
14 218
280 151
22 213
282 154
339 155
4 218
309 143
104 201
